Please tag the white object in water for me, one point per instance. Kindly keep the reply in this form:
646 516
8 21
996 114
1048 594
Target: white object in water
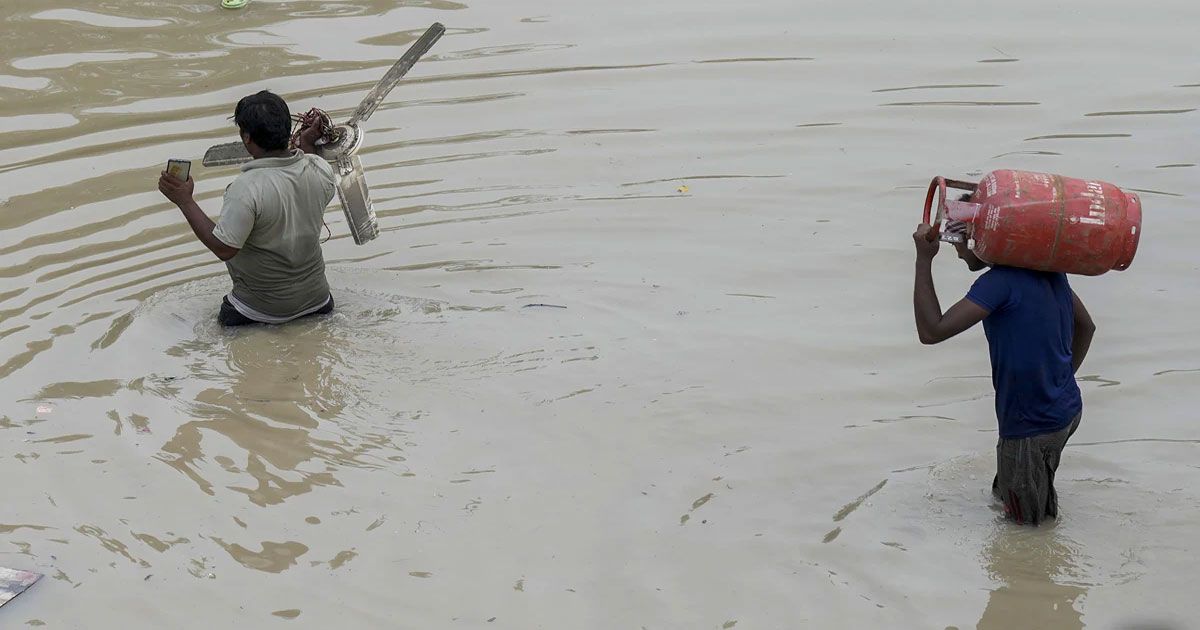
14 582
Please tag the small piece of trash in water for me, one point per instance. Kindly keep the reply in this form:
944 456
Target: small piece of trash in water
234 4
543 306
683 189
45 409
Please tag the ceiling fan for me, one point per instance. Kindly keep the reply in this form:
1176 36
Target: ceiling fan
341 143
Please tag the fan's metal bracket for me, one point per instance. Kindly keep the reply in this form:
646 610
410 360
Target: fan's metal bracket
347 141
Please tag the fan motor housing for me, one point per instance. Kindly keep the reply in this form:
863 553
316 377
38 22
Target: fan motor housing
347 140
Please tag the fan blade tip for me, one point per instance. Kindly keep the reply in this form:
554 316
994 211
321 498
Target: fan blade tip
393 76
225 154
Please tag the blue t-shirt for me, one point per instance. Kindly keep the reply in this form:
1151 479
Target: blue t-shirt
1029 327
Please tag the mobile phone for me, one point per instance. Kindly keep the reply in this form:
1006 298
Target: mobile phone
179 169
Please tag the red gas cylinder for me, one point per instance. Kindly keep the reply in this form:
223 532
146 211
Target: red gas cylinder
1044 222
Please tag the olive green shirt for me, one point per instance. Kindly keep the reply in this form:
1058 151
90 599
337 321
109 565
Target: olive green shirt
273 214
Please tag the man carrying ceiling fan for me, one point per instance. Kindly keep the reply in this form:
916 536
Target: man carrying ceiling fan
269 231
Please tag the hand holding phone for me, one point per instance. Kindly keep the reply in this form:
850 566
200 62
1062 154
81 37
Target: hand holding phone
179 169
175 183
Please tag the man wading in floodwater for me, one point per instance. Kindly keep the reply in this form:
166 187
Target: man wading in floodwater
270 226
1038 333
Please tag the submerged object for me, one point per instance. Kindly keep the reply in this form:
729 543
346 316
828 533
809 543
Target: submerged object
341 144
1042 221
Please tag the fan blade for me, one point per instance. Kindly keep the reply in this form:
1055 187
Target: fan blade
224 154
356 200
397 72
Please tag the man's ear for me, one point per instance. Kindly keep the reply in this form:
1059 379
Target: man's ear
245 138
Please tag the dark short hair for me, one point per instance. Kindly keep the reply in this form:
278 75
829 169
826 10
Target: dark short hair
265 117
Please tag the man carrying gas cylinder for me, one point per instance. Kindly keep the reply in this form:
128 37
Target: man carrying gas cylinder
1038 334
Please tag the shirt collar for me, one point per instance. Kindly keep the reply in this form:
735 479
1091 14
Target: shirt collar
274 162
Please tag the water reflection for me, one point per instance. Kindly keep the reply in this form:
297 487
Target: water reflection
1034 567
285 405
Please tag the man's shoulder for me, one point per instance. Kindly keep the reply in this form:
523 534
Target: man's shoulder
1027 288
248 181
252 182
1002 287
994 276
319 169
1001 273
242 189
319 162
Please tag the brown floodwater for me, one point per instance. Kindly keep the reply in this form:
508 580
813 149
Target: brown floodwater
729 424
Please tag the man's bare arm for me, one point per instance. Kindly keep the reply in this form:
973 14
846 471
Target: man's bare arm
1085 329
180 193
932 325
203 228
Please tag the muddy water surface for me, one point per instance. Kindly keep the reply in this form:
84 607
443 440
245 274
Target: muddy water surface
728 423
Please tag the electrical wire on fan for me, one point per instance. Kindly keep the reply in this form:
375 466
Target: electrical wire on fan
312 117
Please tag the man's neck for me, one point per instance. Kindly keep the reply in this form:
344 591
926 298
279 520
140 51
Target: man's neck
258 153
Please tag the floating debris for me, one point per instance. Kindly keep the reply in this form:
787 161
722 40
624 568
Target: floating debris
14 582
